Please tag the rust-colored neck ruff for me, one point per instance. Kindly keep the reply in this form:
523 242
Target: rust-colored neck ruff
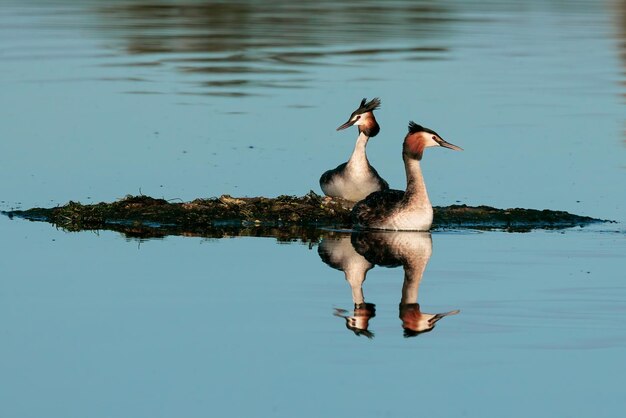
414 146
369 127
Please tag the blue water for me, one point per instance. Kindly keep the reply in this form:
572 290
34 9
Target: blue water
197 99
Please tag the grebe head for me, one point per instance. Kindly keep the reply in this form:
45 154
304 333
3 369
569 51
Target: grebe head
418 138
416 322
364 118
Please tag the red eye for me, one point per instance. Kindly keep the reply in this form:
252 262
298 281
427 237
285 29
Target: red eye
358 117
433 137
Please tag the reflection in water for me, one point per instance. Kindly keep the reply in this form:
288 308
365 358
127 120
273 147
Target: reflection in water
338 252
234 46
620 17
217 26
357 253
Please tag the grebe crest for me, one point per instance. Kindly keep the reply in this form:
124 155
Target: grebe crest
411 209
356 178
419 138
363 118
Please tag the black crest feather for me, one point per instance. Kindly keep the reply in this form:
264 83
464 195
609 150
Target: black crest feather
414 128
366 106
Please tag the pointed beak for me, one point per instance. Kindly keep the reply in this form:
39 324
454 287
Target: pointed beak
437 317
449 145
346 125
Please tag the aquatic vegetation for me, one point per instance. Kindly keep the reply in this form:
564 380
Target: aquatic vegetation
284 217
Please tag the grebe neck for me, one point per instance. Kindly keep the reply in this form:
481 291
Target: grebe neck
355 279
413 273
416 194
358 157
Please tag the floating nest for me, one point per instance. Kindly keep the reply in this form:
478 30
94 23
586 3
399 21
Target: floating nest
284 217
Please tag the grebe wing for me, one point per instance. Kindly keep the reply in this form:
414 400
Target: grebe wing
376 206
328 175
375 248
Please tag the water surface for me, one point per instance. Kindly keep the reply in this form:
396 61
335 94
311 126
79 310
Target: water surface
196 99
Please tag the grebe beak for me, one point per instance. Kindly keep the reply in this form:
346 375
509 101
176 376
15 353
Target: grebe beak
346 125
437 317
448 145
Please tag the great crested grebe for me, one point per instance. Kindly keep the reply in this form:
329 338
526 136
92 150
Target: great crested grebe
411 250
337 251
356 178
409 210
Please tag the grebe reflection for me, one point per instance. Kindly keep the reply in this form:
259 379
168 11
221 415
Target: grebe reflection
337 251
411 250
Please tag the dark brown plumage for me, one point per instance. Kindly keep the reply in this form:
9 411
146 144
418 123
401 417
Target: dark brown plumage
377 205
376 249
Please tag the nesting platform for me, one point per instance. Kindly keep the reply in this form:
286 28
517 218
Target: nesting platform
284 216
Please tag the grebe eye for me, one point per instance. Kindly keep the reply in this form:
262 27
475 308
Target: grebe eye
358 117
433 137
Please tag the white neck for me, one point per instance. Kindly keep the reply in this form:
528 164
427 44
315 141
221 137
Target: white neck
413 273
358 157
415 187
356 278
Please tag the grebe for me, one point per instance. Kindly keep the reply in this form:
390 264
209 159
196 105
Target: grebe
339 253
397 210
356 178
411 250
